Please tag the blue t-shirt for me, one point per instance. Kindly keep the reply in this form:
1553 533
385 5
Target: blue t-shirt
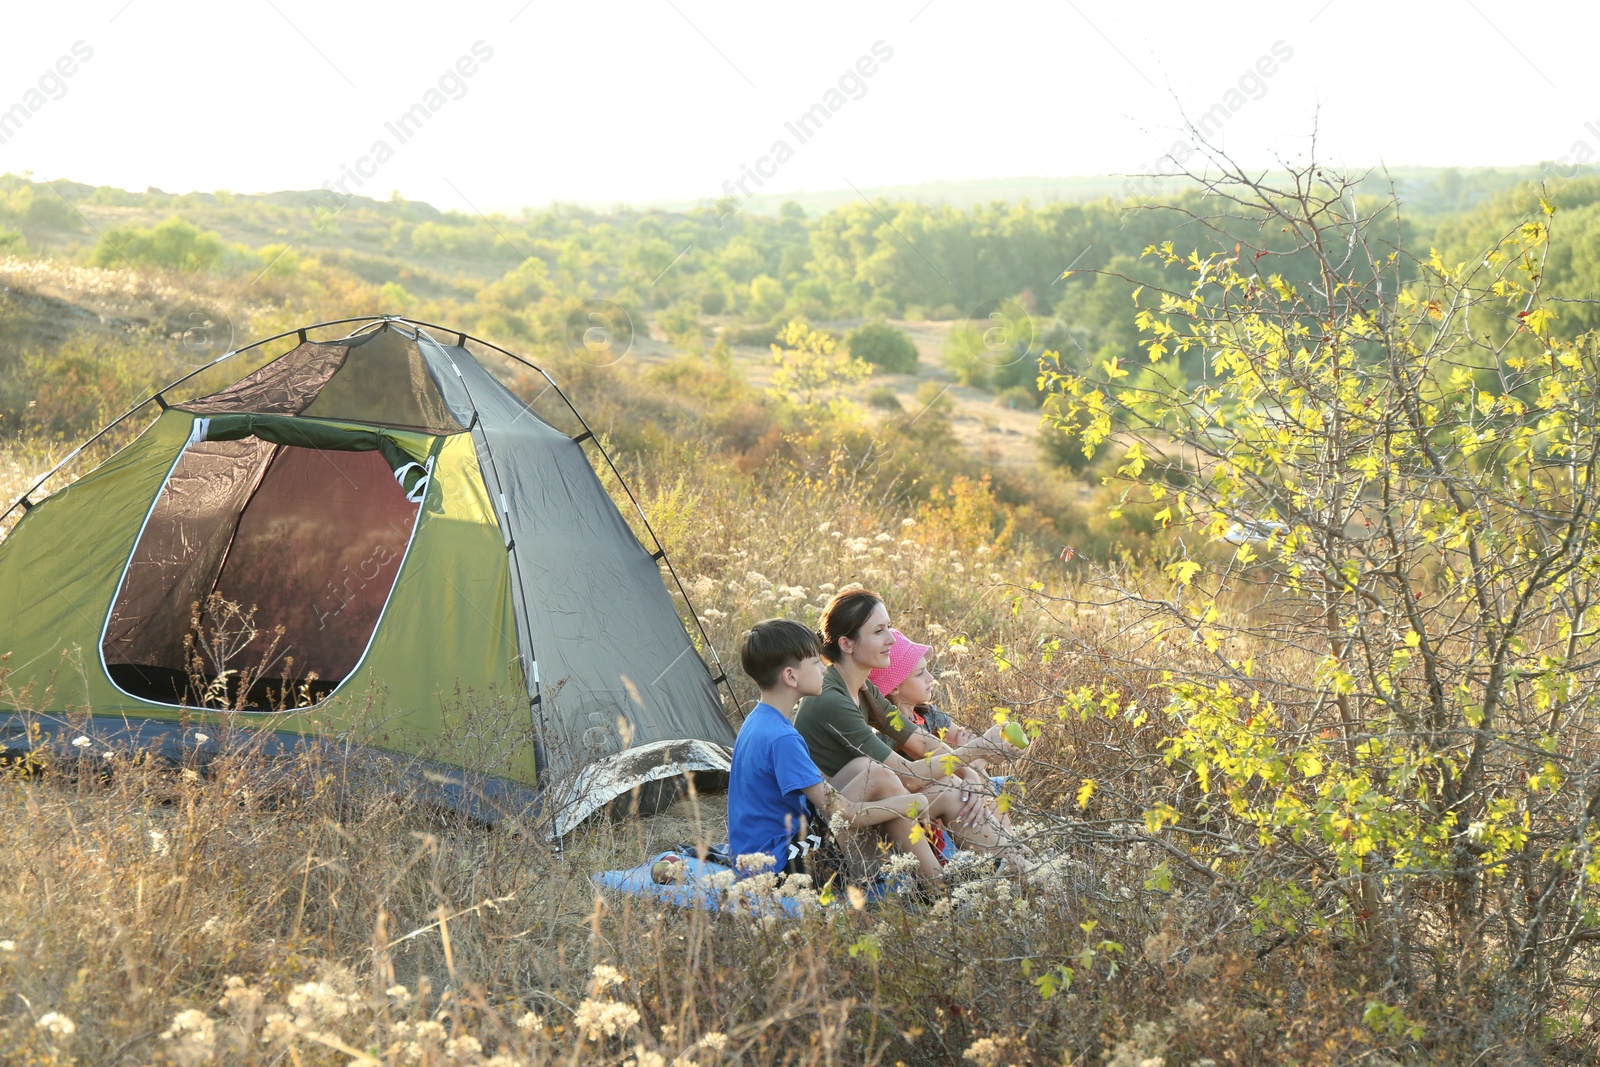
771 769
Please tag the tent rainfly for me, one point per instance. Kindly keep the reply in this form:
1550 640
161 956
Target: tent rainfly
426 543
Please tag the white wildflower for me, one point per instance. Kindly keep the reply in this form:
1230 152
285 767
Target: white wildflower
715 1041
882 537
908 523
158 842
464 1047
399 993
755 861
607 976
239 998
193 1035
794 883
55 1024
838 825
8 946
530 1022
211 925
319 999
986 1052
609 1017
643 1057
201 739
826 587
278 1028
81 742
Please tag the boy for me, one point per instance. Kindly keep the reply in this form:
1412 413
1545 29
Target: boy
778 801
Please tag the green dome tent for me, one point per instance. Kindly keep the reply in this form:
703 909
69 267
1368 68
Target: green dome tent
415 530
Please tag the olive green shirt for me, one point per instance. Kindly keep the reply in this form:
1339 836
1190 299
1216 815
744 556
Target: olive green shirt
837 730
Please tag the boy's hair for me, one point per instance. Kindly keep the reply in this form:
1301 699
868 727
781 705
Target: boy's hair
773 644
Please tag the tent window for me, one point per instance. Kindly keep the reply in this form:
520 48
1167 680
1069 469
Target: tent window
313 540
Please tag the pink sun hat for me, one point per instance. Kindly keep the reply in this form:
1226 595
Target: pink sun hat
904 655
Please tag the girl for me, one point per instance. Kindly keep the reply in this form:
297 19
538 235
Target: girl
851 729
908 684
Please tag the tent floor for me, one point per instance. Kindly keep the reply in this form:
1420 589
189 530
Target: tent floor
167 686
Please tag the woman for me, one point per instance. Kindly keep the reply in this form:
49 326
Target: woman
851 729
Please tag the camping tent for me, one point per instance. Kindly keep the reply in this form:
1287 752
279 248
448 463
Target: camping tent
429 547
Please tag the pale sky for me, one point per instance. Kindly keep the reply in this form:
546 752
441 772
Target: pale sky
659 99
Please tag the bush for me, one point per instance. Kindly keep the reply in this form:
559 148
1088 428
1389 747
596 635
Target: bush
682 326
1018 398
11 241
39 211
883 345
174 244
880 307
761 333
965 356
1062 450
884 398
713 301
766 296
1413 714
